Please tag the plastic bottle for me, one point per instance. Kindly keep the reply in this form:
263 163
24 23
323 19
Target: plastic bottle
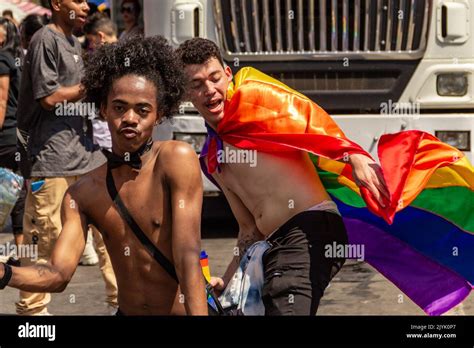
10 188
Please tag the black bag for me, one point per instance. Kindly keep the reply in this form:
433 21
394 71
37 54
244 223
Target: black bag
153 250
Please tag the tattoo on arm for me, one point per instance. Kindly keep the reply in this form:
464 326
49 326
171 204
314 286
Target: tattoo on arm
42 269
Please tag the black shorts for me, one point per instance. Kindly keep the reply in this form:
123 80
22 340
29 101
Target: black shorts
296 269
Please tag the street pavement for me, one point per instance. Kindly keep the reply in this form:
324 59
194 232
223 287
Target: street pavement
356 290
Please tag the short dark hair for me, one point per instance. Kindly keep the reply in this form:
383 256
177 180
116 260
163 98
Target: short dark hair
31 24
7 13
100 22
198 51
152 58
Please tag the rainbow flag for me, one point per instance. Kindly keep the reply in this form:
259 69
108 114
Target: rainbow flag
204 261
422 241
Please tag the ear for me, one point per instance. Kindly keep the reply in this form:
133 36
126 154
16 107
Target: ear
56 5
228 72
101 37
159 117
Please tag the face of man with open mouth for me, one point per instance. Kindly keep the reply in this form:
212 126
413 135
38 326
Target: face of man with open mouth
207 89
131 112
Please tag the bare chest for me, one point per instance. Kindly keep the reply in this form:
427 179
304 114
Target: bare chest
253 172
146 199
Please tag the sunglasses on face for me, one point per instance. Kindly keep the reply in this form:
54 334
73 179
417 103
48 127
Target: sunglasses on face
129 9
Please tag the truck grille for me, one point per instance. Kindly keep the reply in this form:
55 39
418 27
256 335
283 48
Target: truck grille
338 81
323 29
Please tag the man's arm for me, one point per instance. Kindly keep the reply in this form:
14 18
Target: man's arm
248 234
68 94
4 85
44 73
56 274
183 174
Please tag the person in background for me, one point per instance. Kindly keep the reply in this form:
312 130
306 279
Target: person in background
130 10
58 146
11 56
99 30
8 14
29 26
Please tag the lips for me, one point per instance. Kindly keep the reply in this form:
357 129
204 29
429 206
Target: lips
129 133
215 106
82 19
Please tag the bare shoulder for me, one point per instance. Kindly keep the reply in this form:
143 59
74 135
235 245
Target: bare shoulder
86 188
173 153
178 161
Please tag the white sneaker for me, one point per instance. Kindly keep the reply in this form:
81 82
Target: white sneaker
89 257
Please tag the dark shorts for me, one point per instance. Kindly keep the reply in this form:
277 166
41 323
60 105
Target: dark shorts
296 269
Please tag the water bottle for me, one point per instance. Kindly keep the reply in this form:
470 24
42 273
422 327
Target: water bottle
10 188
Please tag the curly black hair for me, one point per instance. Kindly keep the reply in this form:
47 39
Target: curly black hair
198 51
152 58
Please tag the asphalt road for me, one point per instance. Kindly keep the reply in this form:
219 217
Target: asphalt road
356 290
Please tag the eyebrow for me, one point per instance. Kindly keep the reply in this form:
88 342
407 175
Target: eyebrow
120 101
210 75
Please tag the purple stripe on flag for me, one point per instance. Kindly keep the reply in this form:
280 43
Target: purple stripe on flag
433 287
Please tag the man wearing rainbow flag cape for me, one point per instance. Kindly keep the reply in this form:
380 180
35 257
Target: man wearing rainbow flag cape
413 213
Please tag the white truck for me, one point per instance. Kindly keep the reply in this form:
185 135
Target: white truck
377 66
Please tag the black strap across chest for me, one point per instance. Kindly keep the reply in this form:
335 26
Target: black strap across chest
147 243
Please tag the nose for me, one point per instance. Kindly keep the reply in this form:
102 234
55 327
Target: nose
130 117
85 7
209 88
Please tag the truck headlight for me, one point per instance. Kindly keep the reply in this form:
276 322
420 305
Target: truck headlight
195 140
459 139
452 85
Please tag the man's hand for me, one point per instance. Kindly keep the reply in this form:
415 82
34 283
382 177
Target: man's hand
367 173
218 285
70 94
